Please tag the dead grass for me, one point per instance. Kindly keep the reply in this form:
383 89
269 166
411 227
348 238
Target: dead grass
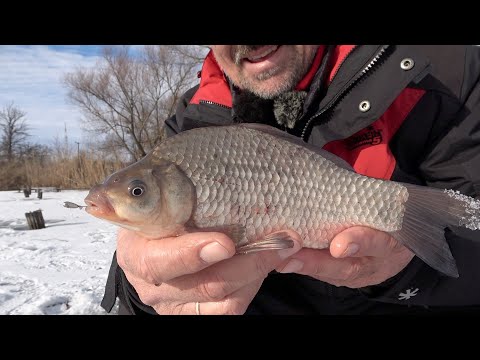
77 172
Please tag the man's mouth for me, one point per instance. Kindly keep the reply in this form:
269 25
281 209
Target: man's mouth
261 54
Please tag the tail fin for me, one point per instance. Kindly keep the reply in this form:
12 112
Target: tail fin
428 212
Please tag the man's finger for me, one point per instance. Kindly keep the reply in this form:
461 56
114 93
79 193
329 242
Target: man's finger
158 261
220 280
361 241
320 264
234 304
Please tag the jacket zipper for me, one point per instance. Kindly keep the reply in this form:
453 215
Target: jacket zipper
346 88
208 102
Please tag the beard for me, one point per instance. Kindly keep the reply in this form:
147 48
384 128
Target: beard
273 82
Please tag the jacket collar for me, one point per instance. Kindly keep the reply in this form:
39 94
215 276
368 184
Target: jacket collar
364 76
213 86
343 65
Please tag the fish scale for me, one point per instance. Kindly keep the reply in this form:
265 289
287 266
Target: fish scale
303 191
250 180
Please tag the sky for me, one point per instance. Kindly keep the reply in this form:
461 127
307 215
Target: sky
59 270
30 76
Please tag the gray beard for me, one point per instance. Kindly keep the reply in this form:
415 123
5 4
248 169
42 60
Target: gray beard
241 51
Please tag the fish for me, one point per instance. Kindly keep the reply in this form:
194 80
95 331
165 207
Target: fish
251 180
71 205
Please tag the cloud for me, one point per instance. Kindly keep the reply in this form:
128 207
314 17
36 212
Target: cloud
30 76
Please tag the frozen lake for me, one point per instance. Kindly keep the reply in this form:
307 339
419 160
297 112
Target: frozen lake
61 269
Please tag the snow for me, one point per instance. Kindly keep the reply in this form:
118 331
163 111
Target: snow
59 270
470 218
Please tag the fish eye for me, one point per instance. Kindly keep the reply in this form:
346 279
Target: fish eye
136 188
137 191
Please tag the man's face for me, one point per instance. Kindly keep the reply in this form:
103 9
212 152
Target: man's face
265 70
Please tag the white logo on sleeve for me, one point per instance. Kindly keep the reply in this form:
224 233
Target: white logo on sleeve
408 294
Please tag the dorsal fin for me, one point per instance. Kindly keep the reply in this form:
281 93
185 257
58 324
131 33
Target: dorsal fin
296 140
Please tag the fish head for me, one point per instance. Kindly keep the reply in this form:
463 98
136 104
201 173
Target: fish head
152 197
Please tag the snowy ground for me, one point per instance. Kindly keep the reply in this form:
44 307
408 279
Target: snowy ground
61 269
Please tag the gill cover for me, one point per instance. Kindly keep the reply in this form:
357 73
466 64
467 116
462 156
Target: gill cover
177 193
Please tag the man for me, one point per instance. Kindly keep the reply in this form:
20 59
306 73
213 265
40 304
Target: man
405 113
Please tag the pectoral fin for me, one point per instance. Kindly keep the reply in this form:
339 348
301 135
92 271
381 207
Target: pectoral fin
276 241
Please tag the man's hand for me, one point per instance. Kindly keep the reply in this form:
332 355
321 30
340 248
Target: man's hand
172 274
358 257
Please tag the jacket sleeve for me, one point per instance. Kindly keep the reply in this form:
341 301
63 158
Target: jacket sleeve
451 161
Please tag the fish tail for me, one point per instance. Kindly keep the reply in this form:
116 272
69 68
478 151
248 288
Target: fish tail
428 211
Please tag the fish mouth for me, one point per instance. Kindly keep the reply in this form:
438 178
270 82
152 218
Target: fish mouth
98 205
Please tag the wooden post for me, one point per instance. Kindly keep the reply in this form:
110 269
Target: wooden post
26 192
35 220
31 226
40 220
40 193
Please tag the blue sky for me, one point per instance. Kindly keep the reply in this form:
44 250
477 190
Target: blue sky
86 50
30 76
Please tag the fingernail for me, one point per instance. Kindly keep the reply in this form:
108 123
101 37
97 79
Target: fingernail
293 265
214 252
351 250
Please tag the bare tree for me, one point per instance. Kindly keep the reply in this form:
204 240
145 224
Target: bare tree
14 130
127 97
107 147
37 151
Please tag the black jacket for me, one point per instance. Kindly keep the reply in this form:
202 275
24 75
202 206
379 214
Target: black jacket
424 107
